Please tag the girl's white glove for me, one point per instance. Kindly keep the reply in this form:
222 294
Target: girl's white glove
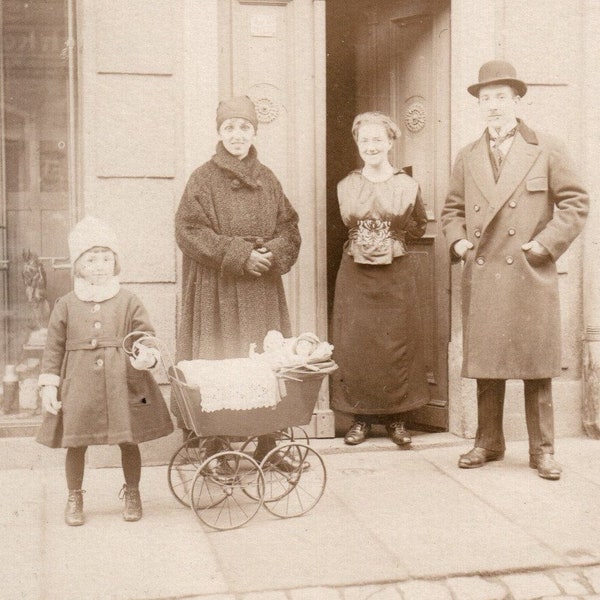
50 401
144 358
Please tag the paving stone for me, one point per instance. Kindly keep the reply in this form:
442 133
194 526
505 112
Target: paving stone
477 588
389 592
322 593
571 582
213 597
368 592
359 592
592 575
424 590
527 586
265 596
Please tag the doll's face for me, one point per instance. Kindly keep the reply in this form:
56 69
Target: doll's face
304 348
96 265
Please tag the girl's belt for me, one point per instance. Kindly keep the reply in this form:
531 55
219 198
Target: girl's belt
93 343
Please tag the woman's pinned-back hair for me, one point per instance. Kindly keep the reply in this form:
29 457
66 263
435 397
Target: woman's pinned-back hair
378 118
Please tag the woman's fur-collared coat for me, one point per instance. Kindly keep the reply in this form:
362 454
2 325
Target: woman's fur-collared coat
229 206
510 297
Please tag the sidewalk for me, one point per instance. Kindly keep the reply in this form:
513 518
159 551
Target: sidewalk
392 525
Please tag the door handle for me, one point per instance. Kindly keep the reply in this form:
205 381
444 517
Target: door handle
57 262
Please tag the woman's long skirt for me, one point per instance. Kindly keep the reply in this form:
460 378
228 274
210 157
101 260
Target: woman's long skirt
378 339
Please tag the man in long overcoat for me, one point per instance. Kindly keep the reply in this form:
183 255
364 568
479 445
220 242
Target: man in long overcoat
514 205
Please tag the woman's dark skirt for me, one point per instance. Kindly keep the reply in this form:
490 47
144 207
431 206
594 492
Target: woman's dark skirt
378 339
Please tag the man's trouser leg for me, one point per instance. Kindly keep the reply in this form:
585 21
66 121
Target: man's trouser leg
539 414
490 408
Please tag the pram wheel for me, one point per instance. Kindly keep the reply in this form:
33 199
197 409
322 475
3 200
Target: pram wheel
291 434
299 435
227 490
291 493
185 462
250 444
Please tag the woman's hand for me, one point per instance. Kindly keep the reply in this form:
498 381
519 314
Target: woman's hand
259 262
50 402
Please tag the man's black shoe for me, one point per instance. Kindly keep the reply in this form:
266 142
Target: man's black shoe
477 457
546 466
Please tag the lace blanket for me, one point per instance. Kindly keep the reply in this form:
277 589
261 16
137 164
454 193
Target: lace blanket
234 383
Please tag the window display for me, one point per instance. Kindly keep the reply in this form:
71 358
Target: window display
36 190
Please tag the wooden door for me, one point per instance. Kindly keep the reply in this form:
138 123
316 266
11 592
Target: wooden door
399 55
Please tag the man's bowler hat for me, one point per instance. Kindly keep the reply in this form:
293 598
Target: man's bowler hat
498 72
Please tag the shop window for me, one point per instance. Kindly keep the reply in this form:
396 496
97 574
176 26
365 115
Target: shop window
37 185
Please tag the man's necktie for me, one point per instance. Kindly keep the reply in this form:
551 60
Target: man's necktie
497 154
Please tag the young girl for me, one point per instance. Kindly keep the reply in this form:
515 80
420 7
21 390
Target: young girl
104 397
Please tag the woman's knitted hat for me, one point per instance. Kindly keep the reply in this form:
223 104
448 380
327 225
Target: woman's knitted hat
87 234
238 106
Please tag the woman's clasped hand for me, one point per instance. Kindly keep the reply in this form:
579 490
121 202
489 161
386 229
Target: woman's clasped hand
260 261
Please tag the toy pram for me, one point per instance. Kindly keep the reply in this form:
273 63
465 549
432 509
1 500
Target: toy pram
214 471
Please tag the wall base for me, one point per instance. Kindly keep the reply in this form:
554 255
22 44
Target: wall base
591 397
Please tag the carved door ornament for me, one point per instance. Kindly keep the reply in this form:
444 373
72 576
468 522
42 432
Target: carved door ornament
266 101
414 117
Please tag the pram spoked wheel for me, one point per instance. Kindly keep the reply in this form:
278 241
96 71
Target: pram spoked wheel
291 434
185 462
227 490
293 491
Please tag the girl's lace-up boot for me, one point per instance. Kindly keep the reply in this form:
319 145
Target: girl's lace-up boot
74 508
133 503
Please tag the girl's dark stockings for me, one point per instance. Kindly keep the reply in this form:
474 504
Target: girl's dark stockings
74 466
131 460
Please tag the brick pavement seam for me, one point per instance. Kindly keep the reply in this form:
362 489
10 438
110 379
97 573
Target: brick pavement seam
492 577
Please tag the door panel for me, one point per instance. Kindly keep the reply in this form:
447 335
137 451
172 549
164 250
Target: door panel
400 62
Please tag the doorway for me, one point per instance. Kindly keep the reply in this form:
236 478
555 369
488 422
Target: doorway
394 56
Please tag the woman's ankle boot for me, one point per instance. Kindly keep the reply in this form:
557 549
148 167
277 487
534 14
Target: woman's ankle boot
133 503
74 508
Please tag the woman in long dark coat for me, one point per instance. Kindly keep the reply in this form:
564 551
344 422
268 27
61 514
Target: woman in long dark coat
238 234
377 332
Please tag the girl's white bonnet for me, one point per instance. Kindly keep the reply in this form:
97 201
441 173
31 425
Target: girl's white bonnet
90 232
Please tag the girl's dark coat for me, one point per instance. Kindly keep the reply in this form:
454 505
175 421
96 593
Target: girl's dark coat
104 399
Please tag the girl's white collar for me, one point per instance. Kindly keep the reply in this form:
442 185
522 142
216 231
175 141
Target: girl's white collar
96 293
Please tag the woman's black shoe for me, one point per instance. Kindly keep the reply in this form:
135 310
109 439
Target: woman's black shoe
358 433
398 433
